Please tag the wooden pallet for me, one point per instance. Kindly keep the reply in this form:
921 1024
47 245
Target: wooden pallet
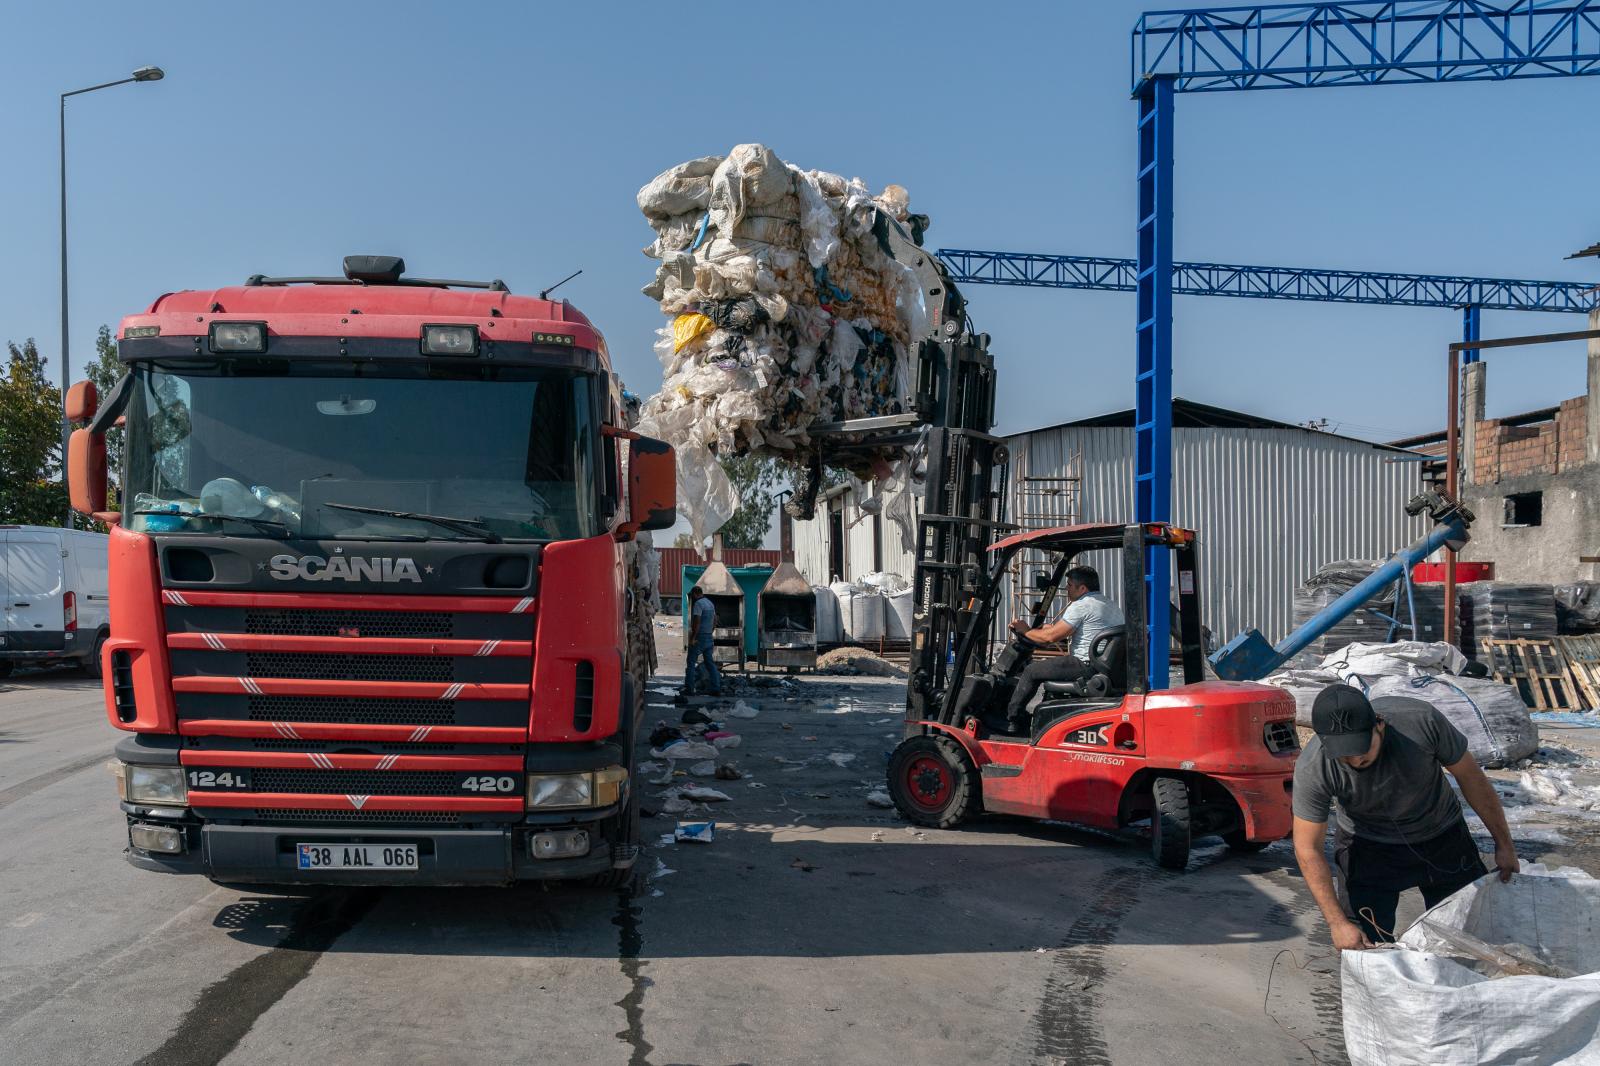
1536 668
1583 663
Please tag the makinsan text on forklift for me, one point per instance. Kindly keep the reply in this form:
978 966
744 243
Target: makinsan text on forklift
371 583
1203 758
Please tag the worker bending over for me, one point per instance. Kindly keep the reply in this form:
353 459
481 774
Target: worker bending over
1088 614
1400 825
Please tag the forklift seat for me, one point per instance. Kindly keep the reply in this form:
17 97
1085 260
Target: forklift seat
1108 658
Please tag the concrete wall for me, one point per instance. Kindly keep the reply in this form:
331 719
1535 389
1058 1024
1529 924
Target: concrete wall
1551 552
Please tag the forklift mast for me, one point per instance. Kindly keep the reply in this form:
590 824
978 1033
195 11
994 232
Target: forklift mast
961 465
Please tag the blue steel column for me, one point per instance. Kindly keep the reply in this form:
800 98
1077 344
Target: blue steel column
1471 329
1153 379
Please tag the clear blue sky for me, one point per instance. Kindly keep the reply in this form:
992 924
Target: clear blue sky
508 140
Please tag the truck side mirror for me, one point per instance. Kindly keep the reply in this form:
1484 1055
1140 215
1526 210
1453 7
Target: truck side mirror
86 471
83 399
652 485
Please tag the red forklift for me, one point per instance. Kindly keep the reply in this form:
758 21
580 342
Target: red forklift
1207 758
1201 759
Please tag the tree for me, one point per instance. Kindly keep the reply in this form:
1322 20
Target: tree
755 479
105 371
31 491
685 540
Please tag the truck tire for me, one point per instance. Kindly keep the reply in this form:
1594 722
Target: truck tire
627 877
1169 823
91 665
933 782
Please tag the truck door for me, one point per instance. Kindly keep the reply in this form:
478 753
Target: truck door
33 591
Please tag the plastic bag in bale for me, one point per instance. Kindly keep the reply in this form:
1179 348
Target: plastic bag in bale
1578 608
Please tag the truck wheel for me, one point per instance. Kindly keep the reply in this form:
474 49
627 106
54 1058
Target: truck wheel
91 665
629 877
933 782
1236 842
1169 823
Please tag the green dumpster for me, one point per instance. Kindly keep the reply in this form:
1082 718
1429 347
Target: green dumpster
751 579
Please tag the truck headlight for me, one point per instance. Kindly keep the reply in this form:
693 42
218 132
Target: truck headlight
154 784
600 788
548 791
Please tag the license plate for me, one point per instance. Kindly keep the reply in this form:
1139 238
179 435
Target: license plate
357 856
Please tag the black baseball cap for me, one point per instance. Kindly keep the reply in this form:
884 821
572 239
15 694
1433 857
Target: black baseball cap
1343 720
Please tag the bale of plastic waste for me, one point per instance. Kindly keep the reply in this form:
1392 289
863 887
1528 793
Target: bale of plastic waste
1474 979
1491 715
861 611
1331 581
830 630
1502 610
787 308
1578 608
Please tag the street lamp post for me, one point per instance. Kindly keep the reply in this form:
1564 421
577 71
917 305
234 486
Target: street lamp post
142 74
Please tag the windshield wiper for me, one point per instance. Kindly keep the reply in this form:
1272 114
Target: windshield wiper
266 525
460 525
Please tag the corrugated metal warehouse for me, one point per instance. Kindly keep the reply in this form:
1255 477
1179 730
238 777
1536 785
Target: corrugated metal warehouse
1272 502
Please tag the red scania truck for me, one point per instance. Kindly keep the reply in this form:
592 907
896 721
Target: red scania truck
369 582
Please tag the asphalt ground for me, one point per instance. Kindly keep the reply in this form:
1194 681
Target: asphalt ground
815 928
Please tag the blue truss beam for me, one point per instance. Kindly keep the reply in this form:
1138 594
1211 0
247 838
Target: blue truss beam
967 266
1367 43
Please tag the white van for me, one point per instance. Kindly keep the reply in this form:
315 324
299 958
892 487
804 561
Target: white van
54 594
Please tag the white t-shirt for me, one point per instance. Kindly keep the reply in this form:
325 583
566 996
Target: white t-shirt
1090 615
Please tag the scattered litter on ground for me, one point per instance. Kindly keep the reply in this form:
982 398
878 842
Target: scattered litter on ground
879 798
1586 719
657 893
741 709
841 759
877 834
685 749
726 740
727 773
786 726
667 840
706 795
703 769
808 738
1556 788
696 832
856 662
672 802
757 784
662 870
802 865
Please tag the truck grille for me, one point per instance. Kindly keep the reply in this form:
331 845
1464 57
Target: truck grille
303 622
1281 737
274 744
364 782
352 667
290 814
354 711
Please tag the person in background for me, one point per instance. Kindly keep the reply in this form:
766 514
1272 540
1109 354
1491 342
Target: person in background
1400 825
1088 614
702 619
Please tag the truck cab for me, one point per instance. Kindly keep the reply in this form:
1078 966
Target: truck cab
369 589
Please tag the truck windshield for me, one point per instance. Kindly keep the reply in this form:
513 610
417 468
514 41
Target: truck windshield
313 449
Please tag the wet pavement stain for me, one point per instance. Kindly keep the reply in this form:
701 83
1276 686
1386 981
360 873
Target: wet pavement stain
228 1008
630 941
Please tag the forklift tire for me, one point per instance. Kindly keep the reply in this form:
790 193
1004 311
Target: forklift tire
933 782
1169 823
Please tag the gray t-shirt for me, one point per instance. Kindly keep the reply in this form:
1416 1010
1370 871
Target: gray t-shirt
1403 797
1090 615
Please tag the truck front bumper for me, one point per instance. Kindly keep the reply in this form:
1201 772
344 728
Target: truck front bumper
495 855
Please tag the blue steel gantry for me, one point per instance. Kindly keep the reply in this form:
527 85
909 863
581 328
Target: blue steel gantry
1297 46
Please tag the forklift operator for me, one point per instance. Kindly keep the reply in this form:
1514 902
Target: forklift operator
1400 824
1088 614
